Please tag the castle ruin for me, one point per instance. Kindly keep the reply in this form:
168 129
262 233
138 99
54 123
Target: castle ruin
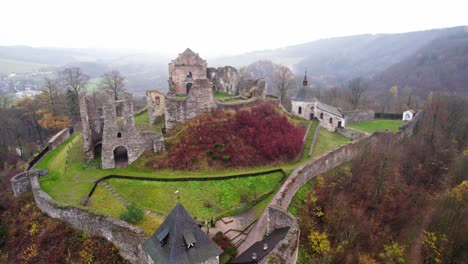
190 92
192 84
113 135
156 105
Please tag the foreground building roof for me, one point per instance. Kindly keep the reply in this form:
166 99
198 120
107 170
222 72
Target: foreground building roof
180 240
260 249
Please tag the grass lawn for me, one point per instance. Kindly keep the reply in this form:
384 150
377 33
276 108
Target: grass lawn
202 199
103 201
220 95
327 141
142 122
378 125
239 101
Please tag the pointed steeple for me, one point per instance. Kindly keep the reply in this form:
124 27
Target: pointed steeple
304 82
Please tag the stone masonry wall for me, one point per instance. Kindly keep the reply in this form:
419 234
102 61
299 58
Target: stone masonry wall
325 121
59 138
359 116
287 249
306 172
199 100
90 126
179 69
125 237
155 105
123 133
20 184
224 79
260 84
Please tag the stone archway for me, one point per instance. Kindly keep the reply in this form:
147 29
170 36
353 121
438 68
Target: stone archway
120 157
98 150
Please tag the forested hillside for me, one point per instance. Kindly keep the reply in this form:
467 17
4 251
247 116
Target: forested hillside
400 202
441 65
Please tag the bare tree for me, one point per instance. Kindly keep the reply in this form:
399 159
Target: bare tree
114 81
357 86
284 80
74 79
50 89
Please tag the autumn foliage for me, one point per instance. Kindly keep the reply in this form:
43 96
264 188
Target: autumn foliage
29 236
380 206
260 135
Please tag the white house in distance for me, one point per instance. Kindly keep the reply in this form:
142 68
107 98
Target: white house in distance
306 105
408 115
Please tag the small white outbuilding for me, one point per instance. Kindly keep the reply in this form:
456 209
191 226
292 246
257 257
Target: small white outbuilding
408 115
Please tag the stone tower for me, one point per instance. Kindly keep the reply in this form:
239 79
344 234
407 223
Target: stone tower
122 143
188 77
184 70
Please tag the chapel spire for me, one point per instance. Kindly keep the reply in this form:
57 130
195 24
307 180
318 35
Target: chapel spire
304 82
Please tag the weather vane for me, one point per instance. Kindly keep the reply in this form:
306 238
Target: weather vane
178 195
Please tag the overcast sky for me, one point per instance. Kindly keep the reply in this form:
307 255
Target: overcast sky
213 27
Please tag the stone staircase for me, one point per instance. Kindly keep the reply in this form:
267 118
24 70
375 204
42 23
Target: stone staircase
125 201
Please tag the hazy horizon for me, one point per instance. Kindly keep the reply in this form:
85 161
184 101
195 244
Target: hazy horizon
210 28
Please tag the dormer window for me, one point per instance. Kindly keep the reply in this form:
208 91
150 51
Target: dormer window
189 239
163 236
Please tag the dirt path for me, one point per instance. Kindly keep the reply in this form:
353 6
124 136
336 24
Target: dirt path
416 247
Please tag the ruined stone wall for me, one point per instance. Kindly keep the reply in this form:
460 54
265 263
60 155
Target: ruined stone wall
199 100
179 69
308 171
245 86
358 116
224 79
91 129
125 237
155 102
287 249
349 133
120 131
58 138
20 184
324 163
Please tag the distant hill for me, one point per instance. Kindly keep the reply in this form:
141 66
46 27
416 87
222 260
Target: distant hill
336 60
38 55
143 71
15 66
441 65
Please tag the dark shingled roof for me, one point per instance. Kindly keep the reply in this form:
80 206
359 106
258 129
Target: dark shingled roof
330 109
175 251
272 240
304 94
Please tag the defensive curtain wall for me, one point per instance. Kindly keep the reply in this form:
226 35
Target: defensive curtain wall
277 215
358 116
